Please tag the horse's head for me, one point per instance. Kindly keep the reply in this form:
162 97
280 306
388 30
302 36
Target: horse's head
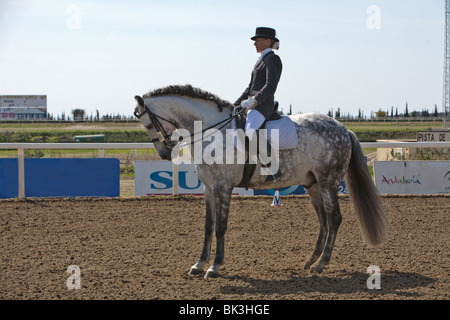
158 128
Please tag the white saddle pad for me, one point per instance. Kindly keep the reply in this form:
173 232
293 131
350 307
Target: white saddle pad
288 137
287 133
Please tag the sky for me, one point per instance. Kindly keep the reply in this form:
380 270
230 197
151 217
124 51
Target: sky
346 54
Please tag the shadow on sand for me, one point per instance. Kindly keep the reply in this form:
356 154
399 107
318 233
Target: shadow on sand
397 283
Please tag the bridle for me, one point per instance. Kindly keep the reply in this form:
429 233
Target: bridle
161 134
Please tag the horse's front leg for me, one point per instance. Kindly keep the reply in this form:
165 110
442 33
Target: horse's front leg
222 207
210 220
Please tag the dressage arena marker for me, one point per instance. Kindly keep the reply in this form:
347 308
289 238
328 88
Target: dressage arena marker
276 199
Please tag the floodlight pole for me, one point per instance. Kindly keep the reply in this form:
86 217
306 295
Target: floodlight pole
446 91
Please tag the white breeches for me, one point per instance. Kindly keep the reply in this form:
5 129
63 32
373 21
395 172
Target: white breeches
254 121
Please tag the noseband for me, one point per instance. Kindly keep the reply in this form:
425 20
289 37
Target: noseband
162 136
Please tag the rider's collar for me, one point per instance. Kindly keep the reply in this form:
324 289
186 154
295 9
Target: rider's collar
264 52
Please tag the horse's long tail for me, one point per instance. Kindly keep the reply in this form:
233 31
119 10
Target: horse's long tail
366 201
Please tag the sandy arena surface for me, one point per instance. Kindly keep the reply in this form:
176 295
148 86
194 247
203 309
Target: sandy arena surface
143 248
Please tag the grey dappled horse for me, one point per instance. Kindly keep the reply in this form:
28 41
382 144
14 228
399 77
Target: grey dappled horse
327 152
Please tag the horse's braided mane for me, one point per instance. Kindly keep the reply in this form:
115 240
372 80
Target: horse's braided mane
190 91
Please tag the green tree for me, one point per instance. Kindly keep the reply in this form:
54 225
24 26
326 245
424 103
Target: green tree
78 114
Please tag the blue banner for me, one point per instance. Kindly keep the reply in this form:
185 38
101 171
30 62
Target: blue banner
92 177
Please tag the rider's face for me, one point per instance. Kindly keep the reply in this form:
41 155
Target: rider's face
262 44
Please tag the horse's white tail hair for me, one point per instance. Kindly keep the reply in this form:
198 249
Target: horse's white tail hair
366 201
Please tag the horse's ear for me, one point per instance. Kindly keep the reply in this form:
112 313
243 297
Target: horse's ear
140 101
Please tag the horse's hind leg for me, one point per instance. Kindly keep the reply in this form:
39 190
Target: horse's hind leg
333 219
317 202
209 232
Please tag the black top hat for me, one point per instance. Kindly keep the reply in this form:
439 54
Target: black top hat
266 33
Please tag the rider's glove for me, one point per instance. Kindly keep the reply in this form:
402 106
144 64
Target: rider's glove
249 103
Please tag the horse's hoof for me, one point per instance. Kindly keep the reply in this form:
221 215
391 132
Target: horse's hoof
195 271
316 268
212 274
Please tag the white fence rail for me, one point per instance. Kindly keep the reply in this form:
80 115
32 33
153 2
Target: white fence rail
21 147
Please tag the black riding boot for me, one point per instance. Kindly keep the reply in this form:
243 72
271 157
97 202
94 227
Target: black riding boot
273 176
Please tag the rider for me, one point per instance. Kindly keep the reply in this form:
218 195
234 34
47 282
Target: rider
258 98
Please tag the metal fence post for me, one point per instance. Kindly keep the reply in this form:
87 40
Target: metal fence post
21 164
175 178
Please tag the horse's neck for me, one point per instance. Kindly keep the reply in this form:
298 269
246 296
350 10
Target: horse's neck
186 111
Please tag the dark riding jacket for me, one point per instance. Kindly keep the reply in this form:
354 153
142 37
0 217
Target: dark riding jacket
263 84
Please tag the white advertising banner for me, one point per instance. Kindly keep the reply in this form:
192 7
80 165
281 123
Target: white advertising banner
156 178
412 177
27 101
